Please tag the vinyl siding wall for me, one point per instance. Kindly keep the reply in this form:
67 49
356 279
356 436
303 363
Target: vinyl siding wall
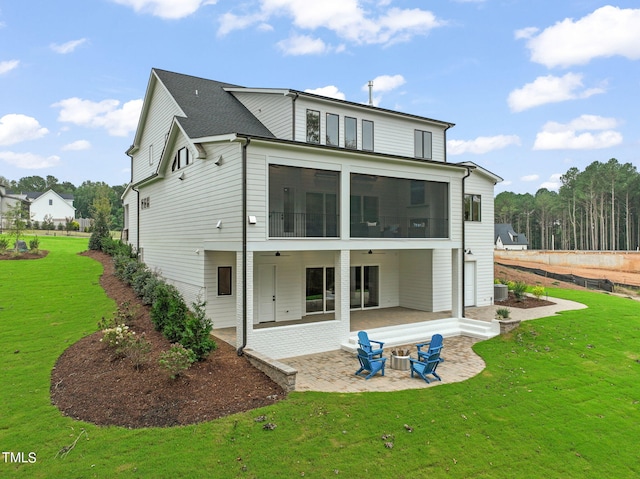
273 110
479 237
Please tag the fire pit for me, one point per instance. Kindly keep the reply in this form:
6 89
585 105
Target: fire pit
400 359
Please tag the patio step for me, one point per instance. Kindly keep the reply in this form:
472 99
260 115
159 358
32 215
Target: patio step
418 332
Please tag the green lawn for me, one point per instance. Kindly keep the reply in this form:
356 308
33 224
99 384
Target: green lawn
560 398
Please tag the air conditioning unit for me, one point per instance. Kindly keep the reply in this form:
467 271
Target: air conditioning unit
500 292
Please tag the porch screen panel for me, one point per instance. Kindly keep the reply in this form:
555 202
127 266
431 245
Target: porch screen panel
371 287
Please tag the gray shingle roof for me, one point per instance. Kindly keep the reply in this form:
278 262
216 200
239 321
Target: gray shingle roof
502 231
211 111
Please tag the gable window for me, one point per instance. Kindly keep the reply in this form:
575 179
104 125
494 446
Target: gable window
350 133
422 144
224 281
145 203
472 208
313 126
367 135
50 202
332 129
181 159
150 154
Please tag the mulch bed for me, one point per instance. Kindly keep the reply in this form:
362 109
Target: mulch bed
524 303
11 255
90 384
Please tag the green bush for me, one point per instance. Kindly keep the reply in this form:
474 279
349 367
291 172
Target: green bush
34 244
177 359
4 244
137 351
519 288
197 332
538 291
503 313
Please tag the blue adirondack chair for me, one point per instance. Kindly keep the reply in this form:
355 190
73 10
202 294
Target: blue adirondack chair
426 367
433 346
365 344
367 363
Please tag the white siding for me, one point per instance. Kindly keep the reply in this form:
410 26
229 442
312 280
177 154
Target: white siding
393 135
221 310
59 209
273 110
479 237
416 281
161 110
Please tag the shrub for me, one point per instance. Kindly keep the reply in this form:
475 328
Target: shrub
137 350
118 338
510 285
538 291
177 359
519 288
4 244
34 244
197 332
169 312
503 313
125 314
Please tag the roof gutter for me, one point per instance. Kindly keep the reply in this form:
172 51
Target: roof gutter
245 145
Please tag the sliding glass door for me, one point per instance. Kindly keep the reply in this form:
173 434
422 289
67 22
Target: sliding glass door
364 287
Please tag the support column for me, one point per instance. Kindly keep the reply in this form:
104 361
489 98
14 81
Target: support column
457 287
343 310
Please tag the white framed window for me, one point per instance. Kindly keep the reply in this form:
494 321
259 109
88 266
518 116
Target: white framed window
423 144
313 126
367 135
181 159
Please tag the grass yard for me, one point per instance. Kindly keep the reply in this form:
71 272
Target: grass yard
559 398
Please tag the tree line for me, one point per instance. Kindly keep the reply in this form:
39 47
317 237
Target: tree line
594 209
83 195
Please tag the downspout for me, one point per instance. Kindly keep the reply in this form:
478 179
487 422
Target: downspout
464 223
137 208
294 97
240 350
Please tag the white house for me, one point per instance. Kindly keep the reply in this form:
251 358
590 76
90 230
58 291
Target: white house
507 239
287 209
52 204
8 201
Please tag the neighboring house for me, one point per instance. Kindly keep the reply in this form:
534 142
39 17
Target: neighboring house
8 201
507 238
275 205
58 206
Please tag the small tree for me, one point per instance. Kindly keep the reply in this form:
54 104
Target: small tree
100 211
16 217
47 222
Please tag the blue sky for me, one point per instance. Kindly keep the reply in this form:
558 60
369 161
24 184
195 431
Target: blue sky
534 87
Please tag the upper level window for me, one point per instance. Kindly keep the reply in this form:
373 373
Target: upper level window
422 144
472 208
181 159
350 133
313 126
332 129
50 202
367 135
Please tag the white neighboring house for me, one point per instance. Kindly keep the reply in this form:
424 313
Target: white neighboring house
59 206
288 212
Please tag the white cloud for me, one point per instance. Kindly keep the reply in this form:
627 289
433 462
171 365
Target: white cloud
15 128
558 136
302 45
7 66
330 91
530 178
553 183
105 114
482 144
77 146
67 47
606 32
384 83
550 89
525 33
170 9
346 18
29 161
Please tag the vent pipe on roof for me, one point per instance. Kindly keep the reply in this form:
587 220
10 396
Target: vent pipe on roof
370 92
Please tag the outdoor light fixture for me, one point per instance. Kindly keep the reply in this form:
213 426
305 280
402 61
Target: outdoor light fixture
182 176
253 220
219 224
277 253
219 162
370 252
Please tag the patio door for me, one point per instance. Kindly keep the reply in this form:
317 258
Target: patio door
266 293
320 290
364 287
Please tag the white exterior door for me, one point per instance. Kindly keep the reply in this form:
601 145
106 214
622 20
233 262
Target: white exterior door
267 293
469 283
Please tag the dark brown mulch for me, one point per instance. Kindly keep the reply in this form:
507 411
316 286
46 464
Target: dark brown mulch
90 384
524 303
10 255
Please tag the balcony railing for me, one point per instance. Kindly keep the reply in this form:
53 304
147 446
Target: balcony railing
303 225
400 227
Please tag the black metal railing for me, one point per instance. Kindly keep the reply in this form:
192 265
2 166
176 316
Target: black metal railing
303 225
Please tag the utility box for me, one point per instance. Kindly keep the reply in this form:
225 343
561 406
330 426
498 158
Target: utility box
500 292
